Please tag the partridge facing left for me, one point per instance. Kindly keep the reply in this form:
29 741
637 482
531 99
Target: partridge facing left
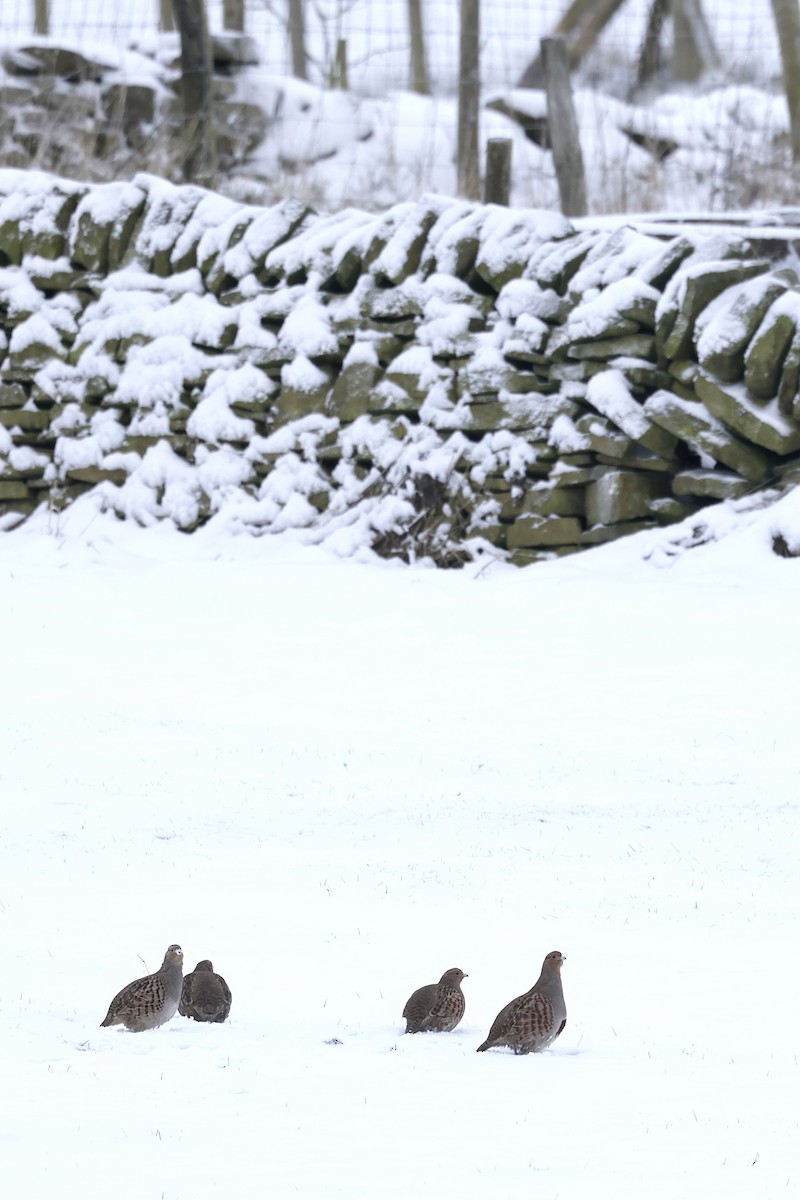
205 996
151 1001
437 1007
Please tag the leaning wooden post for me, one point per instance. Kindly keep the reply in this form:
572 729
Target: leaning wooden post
469 95
563 126
200 149
693 46
497 184
41 17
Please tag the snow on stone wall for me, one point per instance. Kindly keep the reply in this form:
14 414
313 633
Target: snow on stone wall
439 379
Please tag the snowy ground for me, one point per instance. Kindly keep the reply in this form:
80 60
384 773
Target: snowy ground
336 780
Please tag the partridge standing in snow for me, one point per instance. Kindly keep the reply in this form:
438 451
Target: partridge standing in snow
437 1007
205 996
152 1001
533 1021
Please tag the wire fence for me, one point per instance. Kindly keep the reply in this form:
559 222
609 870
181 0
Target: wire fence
378 39
720 145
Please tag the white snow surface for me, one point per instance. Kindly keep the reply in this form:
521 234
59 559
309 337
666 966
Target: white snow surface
336 779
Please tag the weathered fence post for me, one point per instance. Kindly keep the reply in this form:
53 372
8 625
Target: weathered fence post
200 150
420 82
339 72
563 126
297 37
787 23
497 184
469 94
167 18
233 15
41 17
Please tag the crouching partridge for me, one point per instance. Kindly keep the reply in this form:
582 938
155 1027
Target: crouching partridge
205 996
437 1007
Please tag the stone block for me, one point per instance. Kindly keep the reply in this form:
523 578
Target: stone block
88 240
700 285
352 394
692 423
610 395
12 395
710 485
623 496
94 475
401 250
766 355
13 489
789 384
27 419
602 436
635 345
545 501
534 531
763 424
735 319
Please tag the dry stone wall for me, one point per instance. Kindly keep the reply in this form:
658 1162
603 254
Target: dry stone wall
442 378
100 116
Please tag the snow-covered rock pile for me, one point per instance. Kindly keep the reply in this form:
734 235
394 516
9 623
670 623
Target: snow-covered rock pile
103 113
439 378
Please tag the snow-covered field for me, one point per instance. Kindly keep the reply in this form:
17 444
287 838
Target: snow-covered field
337 779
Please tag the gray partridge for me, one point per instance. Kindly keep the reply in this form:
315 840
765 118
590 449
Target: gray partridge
534 1020
205 996
152 1001
437 1007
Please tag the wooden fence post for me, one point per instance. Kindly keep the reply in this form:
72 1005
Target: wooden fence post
167 17
297 37
787 23
41 17
200 150
420 83
469 95
233 15
563 126
497 184
339 72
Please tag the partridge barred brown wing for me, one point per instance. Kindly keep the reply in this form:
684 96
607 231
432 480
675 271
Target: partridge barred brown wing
205 996
532 1021
437 1007
152 1001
